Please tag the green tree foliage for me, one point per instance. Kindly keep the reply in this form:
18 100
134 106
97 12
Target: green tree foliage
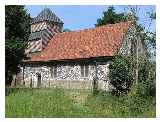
121 74
146 78
17 29
153 15
151 38
150 42
66 30
110 17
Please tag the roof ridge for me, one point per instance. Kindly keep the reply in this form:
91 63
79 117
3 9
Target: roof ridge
94 28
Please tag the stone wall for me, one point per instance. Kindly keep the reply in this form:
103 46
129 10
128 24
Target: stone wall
68 76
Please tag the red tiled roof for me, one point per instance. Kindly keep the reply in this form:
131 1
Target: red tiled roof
95 42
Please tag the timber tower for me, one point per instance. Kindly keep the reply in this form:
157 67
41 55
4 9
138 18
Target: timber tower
43 28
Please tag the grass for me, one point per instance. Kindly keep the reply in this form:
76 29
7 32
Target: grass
74 103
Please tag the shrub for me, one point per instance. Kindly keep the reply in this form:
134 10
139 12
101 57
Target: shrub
146 78
121 75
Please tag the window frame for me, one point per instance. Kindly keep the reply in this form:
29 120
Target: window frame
51 72
55 72
84 70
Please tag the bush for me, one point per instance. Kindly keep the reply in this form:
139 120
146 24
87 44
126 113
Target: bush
121 74
146 78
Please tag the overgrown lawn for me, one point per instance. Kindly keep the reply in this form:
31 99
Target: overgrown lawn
75 103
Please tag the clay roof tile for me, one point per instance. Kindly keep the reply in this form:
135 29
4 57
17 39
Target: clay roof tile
100 41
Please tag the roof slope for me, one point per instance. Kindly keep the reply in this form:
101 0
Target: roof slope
95 42
46 15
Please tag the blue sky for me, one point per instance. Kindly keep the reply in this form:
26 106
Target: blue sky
78 17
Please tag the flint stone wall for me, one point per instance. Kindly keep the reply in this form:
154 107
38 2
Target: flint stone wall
68 76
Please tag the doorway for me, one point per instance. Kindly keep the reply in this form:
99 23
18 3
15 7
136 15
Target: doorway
38 79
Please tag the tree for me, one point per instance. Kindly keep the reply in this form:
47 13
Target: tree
147 68
151 38
120 74
144 69
153 15
66 30
146 78
110 17
17 29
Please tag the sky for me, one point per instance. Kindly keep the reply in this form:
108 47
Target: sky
78 17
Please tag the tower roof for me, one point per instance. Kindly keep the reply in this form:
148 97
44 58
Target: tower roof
46 15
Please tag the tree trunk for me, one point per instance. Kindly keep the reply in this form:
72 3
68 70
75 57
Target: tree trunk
137 57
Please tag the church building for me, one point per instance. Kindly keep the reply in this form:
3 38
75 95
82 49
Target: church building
72 59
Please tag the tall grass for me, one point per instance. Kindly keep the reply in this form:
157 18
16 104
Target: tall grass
124 106
75 103
37 103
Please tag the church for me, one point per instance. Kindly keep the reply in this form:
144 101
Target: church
72 59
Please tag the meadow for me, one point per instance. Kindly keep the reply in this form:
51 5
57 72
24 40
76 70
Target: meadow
27 102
